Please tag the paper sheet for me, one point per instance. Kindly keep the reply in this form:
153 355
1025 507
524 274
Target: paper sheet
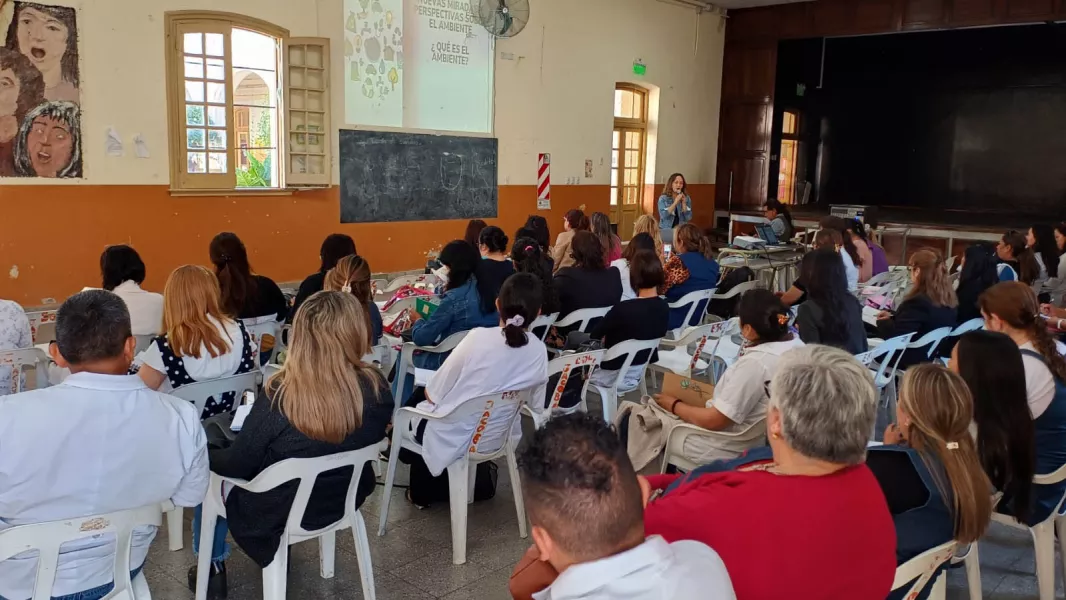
141 146
869 315
113 143
238 417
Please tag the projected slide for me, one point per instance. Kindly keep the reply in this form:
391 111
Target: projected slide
417 64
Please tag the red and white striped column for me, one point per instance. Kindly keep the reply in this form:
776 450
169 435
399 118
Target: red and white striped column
544 188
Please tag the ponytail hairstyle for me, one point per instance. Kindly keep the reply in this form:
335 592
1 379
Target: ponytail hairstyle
528 257
841 225
233 271
352 275
992 368
1046 246
940 408
538 226
494 239
781 208
519 305
855 226
1016 306
766 314
601 228
691 239
933 279
1028 268
577 220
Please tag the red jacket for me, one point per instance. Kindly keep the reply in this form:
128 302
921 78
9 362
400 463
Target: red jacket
809 538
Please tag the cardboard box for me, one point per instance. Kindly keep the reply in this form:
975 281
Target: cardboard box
690 391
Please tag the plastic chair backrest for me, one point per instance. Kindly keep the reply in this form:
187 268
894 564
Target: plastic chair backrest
564 366
407 353
427 281
737 290
143 341
259 327
692 301
401 305
545 321
38 319
699 336
723 329
582 317
674 452
479 411
968 326
307 470
888 349
922 568
47 538
21 358
931 339
199 392
629 349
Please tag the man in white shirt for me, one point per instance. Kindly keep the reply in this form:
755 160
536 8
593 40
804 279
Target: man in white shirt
587 511
100 442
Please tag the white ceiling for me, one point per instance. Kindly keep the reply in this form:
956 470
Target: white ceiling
732 4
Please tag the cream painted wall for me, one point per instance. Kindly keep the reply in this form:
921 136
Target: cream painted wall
555 96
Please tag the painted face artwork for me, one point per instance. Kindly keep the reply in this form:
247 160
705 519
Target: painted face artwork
9 92
50 145
42 38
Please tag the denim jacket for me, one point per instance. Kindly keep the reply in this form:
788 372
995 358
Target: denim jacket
459 310
669 219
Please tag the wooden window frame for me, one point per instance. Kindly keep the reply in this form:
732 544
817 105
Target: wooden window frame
182 183
621 124
797 142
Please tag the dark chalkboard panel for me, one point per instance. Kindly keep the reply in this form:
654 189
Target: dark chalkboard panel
388 176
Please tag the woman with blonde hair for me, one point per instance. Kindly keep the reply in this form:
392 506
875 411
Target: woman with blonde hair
352 275
929 470
930 304
323 401
200 342
647 224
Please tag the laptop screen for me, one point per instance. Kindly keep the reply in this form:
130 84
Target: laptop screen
766 232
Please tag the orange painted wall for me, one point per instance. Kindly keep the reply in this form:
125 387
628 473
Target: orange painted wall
52 236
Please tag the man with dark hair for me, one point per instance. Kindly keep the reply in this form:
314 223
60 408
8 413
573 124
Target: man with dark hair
586 507
100 442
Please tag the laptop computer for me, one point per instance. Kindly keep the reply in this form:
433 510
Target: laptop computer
766 232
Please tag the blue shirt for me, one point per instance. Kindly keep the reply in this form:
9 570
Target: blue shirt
679 216
459 310
702 275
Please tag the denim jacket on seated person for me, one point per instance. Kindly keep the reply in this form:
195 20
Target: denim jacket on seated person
459 310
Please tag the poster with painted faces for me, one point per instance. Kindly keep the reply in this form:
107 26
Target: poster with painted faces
40 113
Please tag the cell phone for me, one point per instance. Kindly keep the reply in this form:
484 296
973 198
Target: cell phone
248 397
667 250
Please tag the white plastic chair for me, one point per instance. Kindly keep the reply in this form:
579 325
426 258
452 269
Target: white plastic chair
401 305
674 451
674 356
582 318
931 339
306 471
407 366
922 568
967 327
143 341
198 393
885 359
690 301
40 319
737 290
259 327
22 358
545 321
47 538
609 393
424 281
564 366
477 413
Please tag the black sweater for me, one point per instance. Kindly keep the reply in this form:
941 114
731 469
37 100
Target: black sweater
258 520
636 319
917 315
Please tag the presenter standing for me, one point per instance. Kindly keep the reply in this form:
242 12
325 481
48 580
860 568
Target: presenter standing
675 207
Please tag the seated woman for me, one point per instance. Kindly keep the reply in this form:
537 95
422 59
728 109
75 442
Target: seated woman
643 318
590 283
323 401
352 275
536 227
992 367
123 273
488 361
929 305
853 260
473 231
691 268
1011 308
978 273
244 295
1016 261
528 257
494 267
830 315
1040 240
805 506
740 398
573 222
335 247
600 225
824 238
647 224
640 243
780 219
854 229
199 342
15 333
1058 291
929 469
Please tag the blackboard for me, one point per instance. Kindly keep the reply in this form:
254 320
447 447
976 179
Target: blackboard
389 176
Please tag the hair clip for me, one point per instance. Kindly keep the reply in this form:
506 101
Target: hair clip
527 248
953 445
346 288
782 319
517 321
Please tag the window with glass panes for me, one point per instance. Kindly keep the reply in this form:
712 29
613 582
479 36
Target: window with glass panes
627 153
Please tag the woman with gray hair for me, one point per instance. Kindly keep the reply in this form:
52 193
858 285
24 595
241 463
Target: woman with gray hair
49 141
805 517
